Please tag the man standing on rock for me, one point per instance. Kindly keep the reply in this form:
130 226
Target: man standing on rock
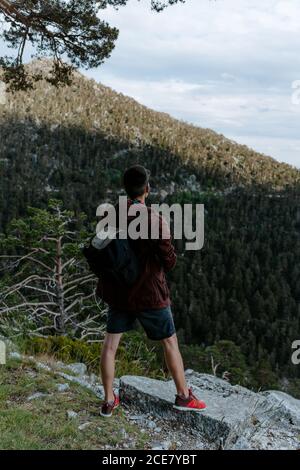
147 301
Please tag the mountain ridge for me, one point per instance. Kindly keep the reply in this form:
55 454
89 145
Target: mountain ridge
95 108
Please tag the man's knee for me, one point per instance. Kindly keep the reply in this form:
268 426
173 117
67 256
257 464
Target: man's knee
171 342
108 350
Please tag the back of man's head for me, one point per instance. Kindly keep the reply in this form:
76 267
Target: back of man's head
135 180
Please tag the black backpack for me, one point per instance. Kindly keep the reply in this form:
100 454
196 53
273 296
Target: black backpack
113 258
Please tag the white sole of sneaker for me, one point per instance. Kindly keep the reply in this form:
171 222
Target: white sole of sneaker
106 415
184 408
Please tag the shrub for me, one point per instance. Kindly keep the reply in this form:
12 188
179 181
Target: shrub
135 356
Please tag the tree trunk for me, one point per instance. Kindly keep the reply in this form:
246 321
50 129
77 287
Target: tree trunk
60 321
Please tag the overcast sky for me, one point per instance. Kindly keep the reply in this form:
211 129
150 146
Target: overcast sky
224 64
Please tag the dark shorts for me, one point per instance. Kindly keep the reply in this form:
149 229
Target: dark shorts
158 324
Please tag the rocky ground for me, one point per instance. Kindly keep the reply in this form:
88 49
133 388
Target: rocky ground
236 418
32 387
166 434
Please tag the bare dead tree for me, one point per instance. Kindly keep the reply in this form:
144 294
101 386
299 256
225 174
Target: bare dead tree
214 367
52 292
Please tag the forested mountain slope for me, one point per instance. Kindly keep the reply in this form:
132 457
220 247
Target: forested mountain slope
71 138
73 143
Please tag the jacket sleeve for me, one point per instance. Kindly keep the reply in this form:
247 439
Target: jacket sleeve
164 247
166 253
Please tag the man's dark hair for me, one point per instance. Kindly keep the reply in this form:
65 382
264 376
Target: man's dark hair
135 180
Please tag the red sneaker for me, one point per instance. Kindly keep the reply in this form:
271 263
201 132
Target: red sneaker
191 403
108 406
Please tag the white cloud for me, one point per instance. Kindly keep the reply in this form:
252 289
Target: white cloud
284 150
224 64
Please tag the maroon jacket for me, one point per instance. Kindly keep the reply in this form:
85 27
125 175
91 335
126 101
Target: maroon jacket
151 290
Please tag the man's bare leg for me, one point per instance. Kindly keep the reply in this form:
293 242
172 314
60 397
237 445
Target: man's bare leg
109 349
175 364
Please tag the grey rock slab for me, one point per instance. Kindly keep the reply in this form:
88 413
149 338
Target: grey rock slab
62 387
151 424
274 425
72 414
10 346
77 368
15 355
219 386
137 417
116 383
267 436
283 406
227 405
37 395
93 378
160 445
97 389
241 444
43 366
32 374
83 426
